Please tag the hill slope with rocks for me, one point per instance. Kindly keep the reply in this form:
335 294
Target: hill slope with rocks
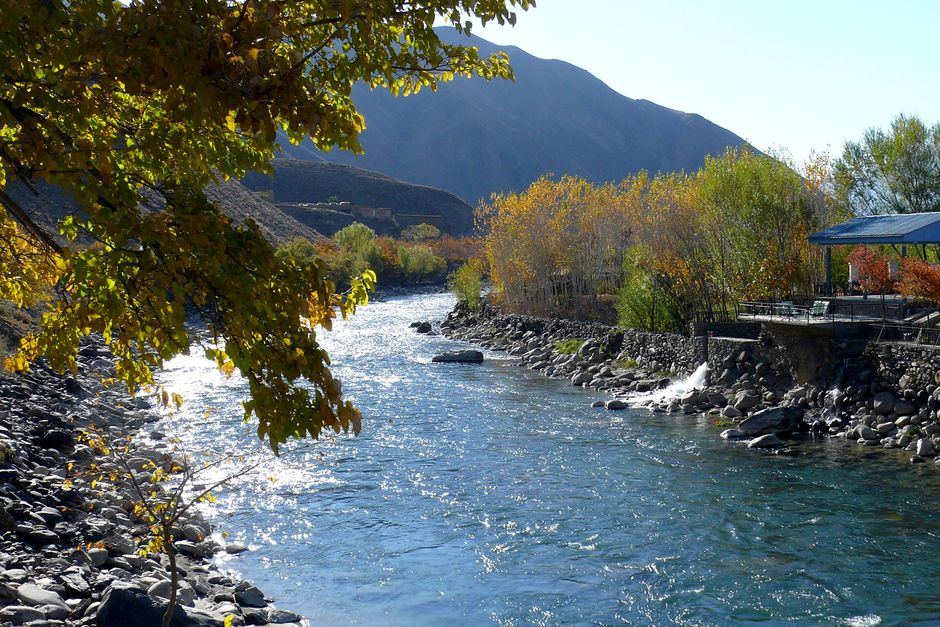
51 205
474 137
304 181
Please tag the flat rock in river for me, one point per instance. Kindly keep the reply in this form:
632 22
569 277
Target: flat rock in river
765 441
460 357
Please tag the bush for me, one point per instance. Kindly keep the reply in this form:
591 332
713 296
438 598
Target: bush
356 237
642 303
420 232
419 261
569 346
467 283
358 250
299 249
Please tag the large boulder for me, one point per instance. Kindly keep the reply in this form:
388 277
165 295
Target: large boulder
773 420
460 357
581 378
31 594
925 448
123 605
746 401
883 403
904 408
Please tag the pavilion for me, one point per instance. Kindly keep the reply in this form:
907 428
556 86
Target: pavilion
896 229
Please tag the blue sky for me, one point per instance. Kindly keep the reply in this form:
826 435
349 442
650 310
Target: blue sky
797 74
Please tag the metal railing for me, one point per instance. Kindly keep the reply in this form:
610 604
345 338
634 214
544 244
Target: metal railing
820 311
893 333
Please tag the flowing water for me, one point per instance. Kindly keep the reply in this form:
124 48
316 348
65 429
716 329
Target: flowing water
488 494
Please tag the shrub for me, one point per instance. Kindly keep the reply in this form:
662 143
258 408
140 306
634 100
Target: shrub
643 304
299 249
467 283
569 346
420 232
357 250
356 237
419 261
625 364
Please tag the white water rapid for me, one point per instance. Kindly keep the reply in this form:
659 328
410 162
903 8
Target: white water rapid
675 390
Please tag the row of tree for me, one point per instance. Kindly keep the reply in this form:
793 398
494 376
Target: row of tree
422 253
736 229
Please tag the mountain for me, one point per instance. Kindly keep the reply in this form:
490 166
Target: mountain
475 137
302 181
51 204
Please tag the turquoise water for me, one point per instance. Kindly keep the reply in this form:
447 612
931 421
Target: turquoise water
489 494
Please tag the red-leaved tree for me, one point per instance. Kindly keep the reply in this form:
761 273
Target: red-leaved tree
920 280
873 271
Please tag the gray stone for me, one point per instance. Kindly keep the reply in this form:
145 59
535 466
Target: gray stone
55 612
119 544
122 606
883 403
250 597
20 614
745 401
31 594
193 533
235 548
765 441
925 448
615 404
717 399
279 617
98 556
774 420
459 357
867 433
731 412
733 434
42 537
581 378
904 408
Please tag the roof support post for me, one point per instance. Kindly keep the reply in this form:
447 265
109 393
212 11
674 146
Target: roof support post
828 289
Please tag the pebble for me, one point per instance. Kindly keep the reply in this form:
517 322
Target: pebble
66 548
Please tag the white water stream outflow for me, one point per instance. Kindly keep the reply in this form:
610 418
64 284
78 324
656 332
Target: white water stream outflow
675 390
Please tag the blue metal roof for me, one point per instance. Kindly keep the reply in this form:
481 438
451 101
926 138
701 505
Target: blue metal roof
907 228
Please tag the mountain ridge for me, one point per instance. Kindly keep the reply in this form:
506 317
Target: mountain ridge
474 138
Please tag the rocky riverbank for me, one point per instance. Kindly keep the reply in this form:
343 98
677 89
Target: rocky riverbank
875 395
70 550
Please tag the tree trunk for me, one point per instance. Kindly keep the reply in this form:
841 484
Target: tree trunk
174 582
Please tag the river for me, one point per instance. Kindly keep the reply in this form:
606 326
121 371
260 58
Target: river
487 494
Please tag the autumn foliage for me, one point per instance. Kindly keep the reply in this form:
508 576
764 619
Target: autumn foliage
874 270
132 109
920 281
735 230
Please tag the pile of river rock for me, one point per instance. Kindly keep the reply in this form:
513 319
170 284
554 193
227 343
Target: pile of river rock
749 391
69 553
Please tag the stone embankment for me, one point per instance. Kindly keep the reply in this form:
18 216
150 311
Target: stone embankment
70 551
875 395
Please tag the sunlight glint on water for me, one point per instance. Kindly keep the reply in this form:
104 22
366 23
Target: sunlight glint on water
488 494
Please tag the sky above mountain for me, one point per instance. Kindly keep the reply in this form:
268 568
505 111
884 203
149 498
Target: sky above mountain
802 74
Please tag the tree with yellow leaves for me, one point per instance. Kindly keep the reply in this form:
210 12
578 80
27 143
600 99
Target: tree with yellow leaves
132 109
